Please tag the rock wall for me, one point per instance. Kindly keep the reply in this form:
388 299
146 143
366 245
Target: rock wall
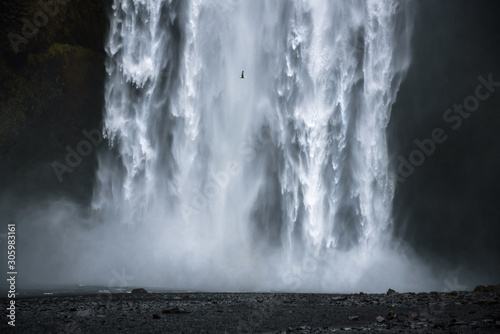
52 79
447 208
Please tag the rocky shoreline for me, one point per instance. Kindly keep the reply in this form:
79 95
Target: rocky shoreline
392 312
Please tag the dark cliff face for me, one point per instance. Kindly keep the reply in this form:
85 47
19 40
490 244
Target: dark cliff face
447 208
52 79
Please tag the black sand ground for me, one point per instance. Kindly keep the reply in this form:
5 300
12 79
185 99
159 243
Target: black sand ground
456 312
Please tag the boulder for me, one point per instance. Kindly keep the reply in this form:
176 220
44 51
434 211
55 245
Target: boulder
480 288
139 290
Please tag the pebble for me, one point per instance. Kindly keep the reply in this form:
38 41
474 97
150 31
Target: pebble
85 313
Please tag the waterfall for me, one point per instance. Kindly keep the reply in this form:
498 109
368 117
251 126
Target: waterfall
280 180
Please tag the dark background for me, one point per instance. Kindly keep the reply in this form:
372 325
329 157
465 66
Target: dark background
50 91
448 209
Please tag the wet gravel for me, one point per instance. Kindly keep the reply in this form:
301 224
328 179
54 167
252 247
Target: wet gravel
455 312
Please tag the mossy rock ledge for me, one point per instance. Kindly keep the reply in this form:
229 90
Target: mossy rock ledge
51 90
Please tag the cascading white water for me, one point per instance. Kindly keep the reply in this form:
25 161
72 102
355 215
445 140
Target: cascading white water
280 180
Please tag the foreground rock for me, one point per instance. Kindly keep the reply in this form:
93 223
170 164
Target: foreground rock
458 312
139 290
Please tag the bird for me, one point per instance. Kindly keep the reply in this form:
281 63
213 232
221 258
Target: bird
242 75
